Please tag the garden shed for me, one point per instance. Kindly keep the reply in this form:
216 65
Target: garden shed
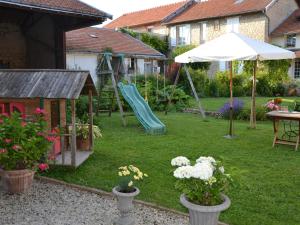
25 90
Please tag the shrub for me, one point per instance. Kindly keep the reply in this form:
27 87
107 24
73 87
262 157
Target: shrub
260 114
263 87
24 144
238 106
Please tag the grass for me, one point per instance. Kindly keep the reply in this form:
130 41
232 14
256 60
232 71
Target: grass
268 179
214 104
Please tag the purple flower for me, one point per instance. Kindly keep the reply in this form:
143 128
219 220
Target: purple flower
238 106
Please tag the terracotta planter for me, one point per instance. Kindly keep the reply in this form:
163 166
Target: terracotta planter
125 206
83 144
17 181
204 215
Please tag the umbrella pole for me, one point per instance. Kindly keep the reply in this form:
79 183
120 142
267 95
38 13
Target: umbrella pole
253 103
231 102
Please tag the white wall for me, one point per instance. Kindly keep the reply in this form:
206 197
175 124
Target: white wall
78 61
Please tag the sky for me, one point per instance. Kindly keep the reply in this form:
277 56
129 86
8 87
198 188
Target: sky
119 7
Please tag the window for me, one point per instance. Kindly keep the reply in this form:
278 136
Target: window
233 24
217 25
184 35
173 36
297 69
203 33
291 41
150 29
131 64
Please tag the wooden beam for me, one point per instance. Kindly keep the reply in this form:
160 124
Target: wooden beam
114 83
91 138
73 139
63 123
194 91
253 103
231 99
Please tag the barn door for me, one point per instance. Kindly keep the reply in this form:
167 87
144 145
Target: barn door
55 122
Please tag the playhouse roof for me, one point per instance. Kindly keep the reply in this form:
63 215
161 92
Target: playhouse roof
50 84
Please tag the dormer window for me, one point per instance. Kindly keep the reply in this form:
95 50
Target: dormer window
291 40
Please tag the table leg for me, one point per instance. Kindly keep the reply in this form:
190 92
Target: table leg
275 126
298 137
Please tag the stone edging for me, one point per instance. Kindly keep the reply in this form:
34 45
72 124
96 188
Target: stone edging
197 111
109 194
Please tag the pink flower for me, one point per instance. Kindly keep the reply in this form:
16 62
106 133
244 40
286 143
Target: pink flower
43 166
2 151
1 120
39 111
7 141
50 138
23 124
41 134
5 114
16 147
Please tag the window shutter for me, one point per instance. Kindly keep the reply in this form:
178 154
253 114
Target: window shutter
187 34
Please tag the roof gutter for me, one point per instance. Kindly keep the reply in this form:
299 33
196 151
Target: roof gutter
105 16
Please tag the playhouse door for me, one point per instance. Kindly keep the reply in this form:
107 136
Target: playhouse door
55 121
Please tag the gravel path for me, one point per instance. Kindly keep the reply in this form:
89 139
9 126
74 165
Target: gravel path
49 204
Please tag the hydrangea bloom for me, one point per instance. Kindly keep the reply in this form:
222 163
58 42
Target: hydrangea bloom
184 172
203 171
208 159
180 161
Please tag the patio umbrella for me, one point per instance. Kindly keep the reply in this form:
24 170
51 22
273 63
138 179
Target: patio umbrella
236 47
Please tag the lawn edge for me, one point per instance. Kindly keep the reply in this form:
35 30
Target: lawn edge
109 194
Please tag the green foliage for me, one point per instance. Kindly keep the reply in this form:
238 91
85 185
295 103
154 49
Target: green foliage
199 78
23 144
182 49
149 39
277 70
260 114
158 98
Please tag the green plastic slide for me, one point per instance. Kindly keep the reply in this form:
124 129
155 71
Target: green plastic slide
141 109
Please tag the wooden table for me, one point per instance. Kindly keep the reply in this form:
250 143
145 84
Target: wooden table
276 116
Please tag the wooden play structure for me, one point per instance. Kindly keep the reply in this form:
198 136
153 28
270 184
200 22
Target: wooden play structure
25 90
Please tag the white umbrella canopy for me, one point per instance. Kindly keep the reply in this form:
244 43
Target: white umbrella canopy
236 47
232 47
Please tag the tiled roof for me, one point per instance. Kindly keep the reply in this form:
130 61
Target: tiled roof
148 16
219 8
290 25
68 6
97 39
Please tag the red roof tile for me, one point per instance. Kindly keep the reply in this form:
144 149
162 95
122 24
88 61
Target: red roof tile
70 6
219 8
96 39
147 16
290 25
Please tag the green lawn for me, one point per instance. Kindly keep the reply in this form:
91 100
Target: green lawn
214 104
268 179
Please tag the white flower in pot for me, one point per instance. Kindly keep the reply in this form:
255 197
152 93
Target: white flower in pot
203 186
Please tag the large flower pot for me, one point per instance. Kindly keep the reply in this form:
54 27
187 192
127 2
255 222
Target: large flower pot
83 144
204 215
17 181
125 206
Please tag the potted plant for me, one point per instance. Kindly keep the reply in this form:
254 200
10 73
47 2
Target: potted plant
126 191
23 147
202 186
82 139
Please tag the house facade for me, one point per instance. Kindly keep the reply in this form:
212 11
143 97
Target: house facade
208 19
287 35
85 45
